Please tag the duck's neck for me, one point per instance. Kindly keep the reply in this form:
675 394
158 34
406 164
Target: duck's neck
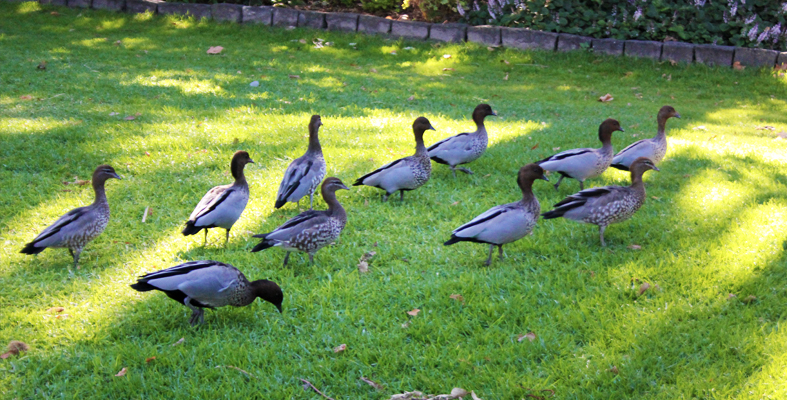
662 132
101 194
420 148
334 207
314 141
237 172
636 180
527 191
606 145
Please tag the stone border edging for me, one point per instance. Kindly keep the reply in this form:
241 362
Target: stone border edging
519 38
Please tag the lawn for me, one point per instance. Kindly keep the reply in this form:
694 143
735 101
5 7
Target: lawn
140 93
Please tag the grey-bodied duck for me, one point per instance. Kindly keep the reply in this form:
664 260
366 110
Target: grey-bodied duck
606 205
463 148
209 284
506 223
78 227
654 148
304 175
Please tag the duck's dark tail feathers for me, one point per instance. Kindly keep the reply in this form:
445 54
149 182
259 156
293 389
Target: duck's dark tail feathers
190 229
30 248
279 203
264 244
454 239
143 286
620 166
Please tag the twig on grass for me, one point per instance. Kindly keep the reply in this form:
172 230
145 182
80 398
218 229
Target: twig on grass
237 369
145 214
314 388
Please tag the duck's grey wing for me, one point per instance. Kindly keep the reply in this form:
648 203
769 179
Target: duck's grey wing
297 180
296 225
578 205
479 223
566 158
641 148
448 148
212 200
373 178
200 280
69 224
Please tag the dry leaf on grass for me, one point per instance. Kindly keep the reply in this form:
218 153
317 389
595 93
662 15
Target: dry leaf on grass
363 267
731 296
416 395
340 348
363 263
411 98
414 312
505 61
122 372
150 359
55 13
737 66
77 181
781 135
446 56
768 127
294 76
457 297
474 396
372 383
448 69
42 65
62 316
750 299
531 336
130 118
605 98
14 348
215 50
700 128
614 370
26 97
374 71
555 148
535 146
181 340
248 375
55 309
505 78
643 288
635 247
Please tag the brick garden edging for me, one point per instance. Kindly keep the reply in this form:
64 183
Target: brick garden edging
520 38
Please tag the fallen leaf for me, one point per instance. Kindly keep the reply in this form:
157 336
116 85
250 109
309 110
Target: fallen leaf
458 392
122 372
531 336
340 348
535 146
26 97
737 66
414 312
374 71
112 114
62 316
505 61
768 127
457 297
655 198
294 76
55 310
446 56
147 154
372 383
411 98
629 73
700 128
667 77
15 347
149 359
643 288
130 118
605 98
505 78
635 247
749 299
41 65
215 50
363 267
455 203
782 135
181 340
614 370
55 13
731 296
4 356
303 41
555 148
448 69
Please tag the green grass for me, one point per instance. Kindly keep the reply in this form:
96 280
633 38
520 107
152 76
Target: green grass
715 221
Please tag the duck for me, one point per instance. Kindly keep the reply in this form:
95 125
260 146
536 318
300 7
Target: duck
606 205
310 230
304 175
463 148
222 206
582 164
654 148
506 223
404 174
208 284
80 226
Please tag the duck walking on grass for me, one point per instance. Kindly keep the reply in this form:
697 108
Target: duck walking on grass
463 148
78 227
606 205
582 164
310 230
304 174
407 173
506 223
209 284
222 206
654 148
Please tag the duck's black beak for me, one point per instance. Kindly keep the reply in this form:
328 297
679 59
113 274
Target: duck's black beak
655 168
544 177
344 187
677 115
621 129
279 307
432 128
116 176
251 161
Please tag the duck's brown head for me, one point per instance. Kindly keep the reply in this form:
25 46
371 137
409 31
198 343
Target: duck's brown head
268 291
421 125
482 111
606 128
239 160
641 165
528 174
333 184
104 172
315 123
666 113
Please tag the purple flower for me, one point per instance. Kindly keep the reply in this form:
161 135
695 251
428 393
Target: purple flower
699 3
638 13
775 32
460 9
753 32
764 35
733 7
751 19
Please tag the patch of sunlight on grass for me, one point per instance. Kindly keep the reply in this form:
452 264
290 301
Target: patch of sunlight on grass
139 43
35 125
721 147
563 87
142 17
327 82
191 86
112 23
28 7
92 43
709 193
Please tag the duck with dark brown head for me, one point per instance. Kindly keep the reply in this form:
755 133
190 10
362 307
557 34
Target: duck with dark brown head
304 175
310 230
463 148
506 223
222 206
209 284
606 205
582 164
655 148
78 227
404 174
